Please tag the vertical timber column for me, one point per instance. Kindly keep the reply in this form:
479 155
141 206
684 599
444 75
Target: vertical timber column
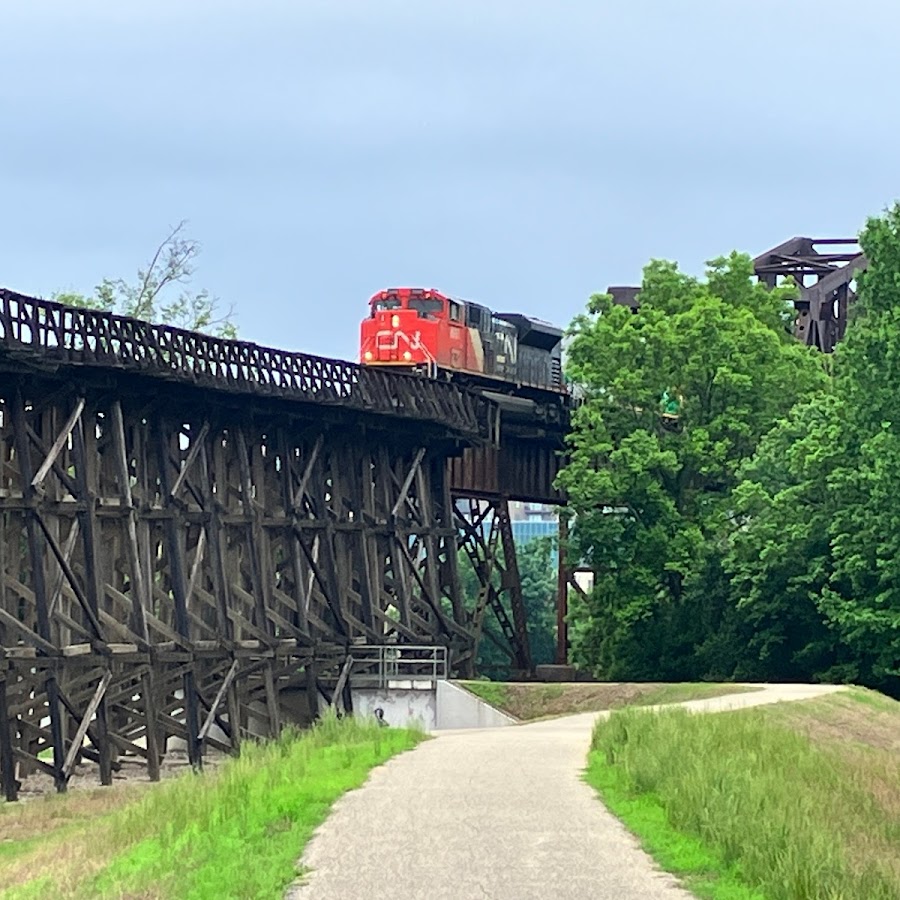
424 487
7 753
7 729
39 585
85 457
457 601
140 587
259 576
217 550
562 595
178 580
293 508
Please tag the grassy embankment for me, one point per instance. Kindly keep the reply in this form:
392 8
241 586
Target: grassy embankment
529 700
233 832
797 801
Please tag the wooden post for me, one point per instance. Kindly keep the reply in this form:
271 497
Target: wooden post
39 582
217 549
178 578
258 577
87 516
7 752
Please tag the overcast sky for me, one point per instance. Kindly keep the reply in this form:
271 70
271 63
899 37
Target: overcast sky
520 153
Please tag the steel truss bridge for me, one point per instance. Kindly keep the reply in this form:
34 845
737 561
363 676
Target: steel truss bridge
195 532
824 270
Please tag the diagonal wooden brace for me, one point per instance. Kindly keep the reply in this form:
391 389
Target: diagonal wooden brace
85 723
220 696
58 444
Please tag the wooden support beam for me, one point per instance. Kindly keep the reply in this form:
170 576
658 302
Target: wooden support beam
217 702
58 470
337 696
178 580
81 731
7 747
38 575
140 597
58 444
196 446
84 447
89 612
407 483
11 622
68 547
37 762
44 734
307 473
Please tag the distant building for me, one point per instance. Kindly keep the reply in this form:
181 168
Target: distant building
532 512
528 529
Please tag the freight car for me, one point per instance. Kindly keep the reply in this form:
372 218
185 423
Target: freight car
423 329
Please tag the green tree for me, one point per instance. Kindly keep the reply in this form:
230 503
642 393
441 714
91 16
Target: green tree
821 534
650 481
779 558
160 292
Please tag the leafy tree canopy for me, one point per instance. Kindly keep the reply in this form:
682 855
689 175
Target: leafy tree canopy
820 501
160 291
650 480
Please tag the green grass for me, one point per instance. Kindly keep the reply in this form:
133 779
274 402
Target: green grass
680 692
742 806
881 702
494 692
700 868
234 833
527 701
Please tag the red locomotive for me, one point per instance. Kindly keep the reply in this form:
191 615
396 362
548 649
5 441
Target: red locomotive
423 329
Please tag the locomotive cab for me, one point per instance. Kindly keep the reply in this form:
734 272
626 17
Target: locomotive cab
413 327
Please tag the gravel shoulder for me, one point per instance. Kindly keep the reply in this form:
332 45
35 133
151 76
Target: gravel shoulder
494 813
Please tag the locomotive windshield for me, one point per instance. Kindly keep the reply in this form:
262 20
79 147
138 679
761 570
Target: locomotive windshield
385 303
425 306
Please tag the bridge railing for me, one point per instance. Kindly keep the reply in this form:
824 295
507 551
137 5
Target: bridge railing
383 666
46 332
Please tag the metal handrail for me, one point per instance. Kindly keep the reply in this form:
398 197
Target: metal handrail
377 665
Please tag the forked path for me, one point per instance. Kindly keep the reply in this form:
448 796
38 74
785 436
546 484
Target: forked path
499 813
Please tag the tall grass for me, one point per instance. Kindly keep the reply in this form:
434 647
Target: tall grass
776 812
236 832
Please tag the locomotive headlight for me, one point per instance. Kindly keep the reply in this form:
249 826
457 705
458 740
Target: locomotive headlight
367 356
407 355
395 321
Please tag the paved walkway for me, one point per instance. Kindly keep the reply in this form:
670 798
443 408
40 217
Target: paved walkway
498 813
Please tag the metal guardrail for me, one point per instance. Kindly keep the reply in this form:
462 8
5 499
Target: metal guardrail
383 665
51 334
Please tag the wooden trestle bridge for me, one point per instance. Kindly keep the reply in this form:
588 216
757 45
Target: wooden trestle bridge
196 532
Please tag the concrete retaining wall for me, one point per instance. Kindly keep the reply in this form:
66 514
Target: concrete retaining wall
431 708
402 706
458 708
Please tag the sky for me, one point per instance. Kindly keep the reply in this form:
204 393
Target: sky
522 154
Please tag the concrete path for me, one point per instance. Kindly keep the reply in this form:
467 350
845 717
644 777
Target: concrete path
497 813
